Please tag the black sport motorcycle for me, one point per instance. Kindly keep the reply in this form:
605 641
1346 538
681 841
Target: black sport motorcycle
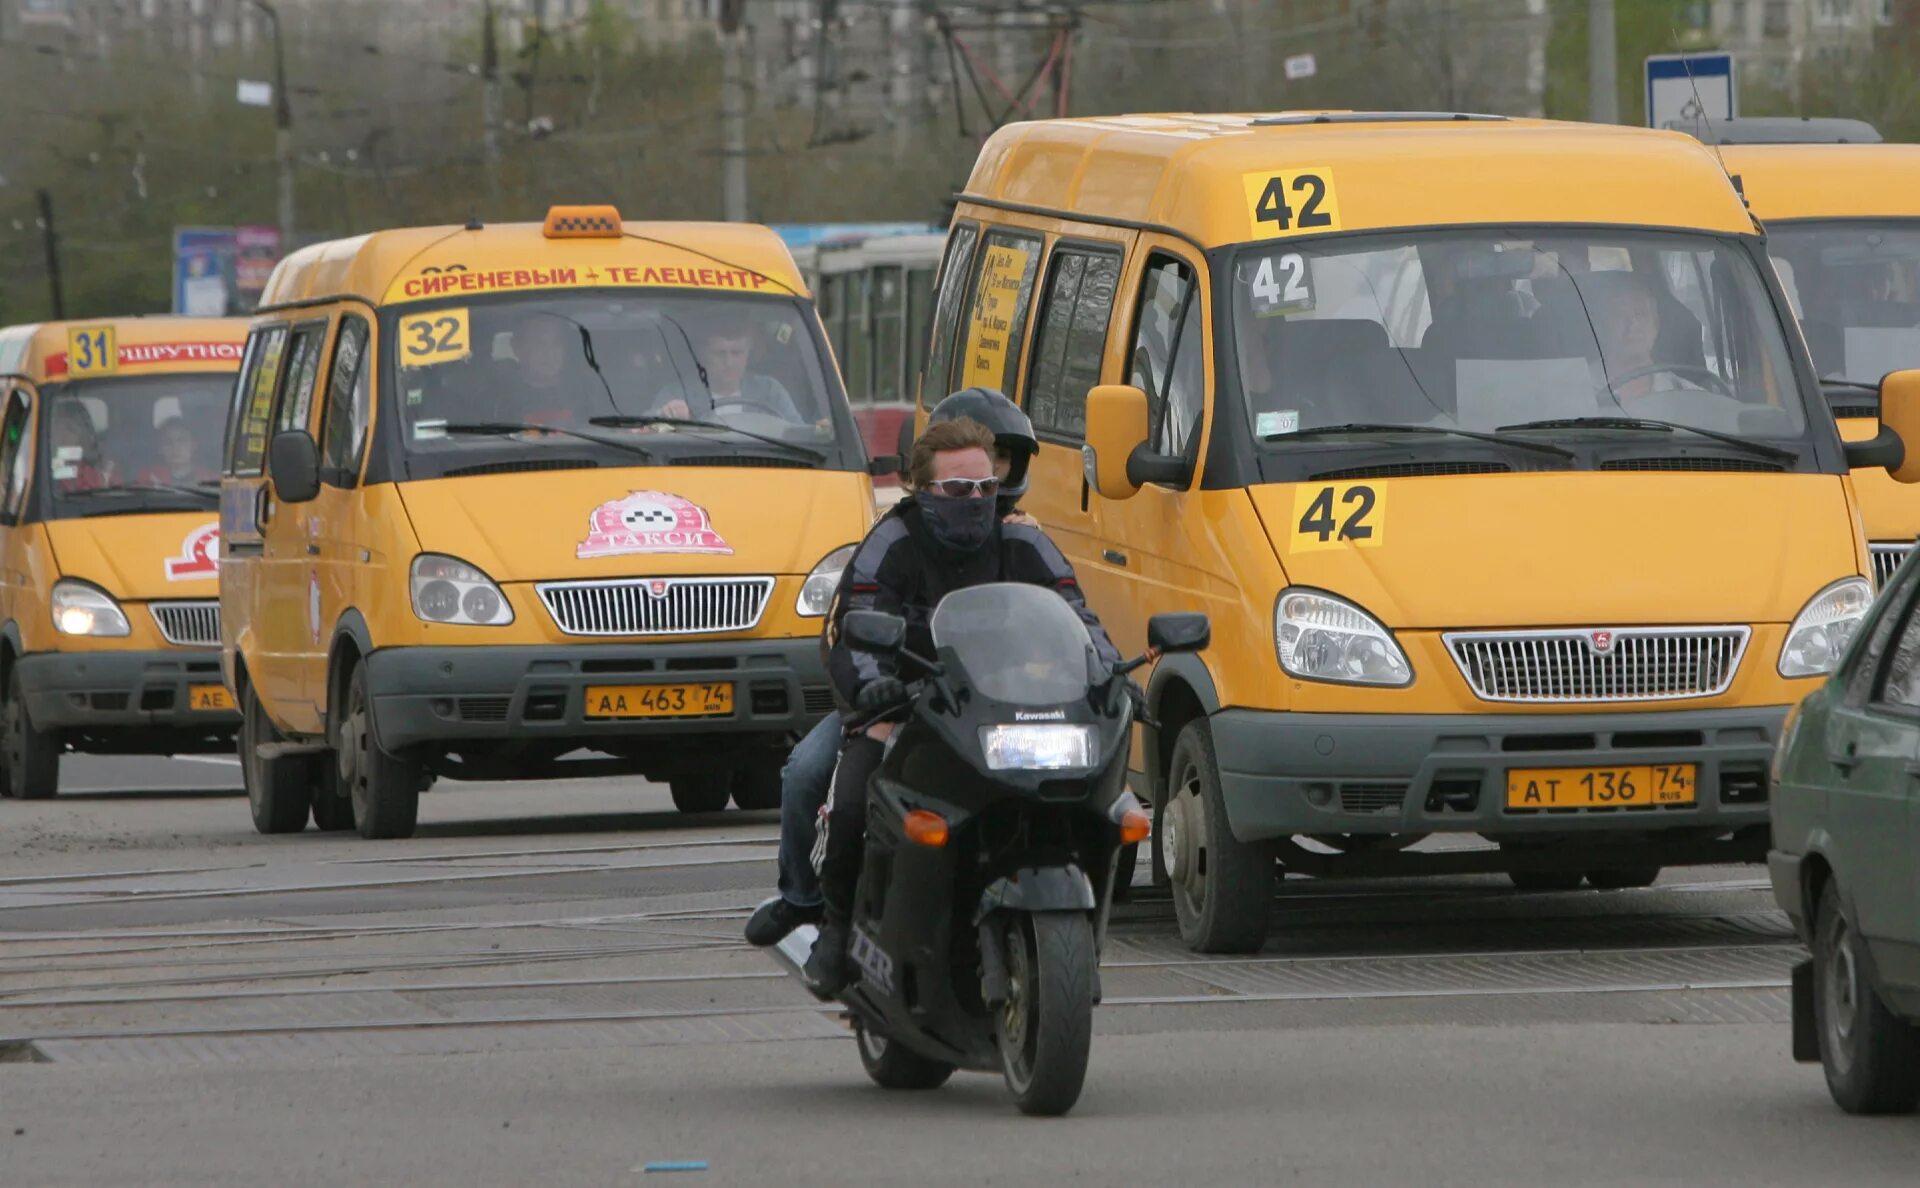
993 826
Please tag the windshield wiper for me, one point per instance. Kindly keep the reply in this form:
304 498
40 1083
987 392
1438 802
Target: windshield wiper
508 428
140 489
690 423
1753 447
1375 427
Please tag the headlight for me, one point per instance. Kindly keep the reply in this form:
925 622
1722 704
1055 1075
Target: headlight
1824 627
1323 638
1036 747
817 591
80 609
448 590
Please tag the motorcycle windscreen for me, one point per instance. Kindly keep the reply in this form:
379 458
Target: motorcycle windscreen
1018 644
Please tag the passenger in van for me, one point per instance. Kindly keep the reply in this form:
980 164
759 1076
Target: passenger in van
77 463
548 387
177 465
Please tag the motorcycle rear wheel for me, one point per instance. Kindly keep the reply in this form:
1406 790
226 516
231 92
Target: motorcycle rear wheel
1045 1030
894 1066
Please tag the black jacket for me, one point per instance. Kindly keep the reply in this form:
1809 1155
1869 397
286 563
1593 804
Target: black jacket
899 569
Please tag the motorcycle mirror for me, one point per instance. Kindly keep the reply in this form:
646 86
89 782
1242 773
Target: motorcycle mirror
876 632
1187 632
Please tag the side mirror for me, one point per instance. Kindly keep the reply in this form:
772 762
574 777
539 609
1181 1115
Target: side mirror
1900 420
293 461
874 632
1116 426
1184 632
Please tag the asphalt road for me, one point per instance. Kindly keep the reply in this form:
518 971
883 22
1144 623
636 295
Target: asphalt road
547 986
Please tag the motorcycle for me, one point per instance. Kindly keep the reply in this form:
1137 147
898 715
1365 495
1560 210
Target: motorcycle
994 823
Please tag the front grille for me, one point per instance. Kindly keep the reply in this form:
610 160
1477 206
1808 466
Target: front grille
744 460
657 606
1599 664
817 699
1372 798
484 709
188 624
1886 559
1707 463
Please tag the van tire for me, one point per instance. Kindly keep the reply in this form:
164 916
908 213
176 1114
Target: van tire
1623 878
700 794
332 806
383 789
1871 1056
280 790
756 789
32 759
1222 887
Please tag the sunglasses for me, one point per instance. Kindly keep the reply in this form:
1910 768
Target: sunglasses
965 488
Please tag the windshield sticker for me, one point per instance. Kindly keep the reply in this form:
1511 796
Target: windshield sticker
995 305
66 461
1281 286
1330 517
91 350
429 339
1274 424
199 555
457 278
650 522
1297 202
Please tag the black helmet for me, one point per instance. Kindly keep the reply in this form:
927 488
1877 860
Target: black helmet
1012 432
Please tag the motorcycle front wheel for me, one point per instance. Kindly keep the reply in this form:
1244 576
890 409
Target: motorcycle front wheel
1045 1029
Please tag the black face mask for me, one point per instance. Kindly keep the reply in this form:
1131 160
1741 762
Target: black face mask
960 525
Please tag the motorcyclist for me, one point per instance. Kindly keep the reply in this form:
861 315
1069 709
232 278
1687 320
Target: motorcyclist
809 769
948 537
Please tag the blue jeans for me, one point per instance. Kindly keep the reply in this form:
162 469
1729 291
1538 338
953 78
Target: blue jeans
804 783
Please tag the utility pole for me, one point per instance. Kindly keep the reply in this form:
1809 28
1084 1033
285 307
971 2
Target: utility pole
733 113
52 244
283 125
1603 81
490 99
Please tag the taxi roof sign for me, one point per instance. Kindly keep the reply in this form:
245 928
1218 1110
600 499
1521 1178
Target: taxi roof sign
582 222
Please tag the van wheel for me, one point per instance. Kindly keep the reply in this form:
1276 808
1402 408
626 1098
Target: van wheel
1624 879
1222 887
278 790
700 794
755 788
32 758
384 790
1871 1056
332 806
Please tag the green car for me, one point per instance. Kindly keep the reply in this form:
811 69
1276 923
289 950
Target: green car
1846 831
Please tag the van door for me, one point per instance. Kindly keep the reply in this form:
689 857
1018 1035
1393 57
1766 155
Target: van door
16 464
243 491
344 426
290 552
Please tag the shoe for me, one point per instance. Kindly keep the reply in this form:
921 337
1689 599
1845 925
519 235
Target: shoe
827 965
774 919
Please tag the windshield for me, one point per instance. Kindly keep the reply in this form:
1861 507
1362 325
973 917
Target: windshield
1856 288
611 377
1017 644
1484 330
121 446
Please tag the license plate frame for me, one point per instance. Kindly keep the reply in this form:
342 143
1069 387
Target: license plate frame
1603 786
659 700
209 699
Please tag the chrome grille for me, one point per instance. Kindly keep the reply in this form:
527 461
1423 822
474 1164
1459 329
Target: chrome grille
188 624
1599 664
657 606
1886 559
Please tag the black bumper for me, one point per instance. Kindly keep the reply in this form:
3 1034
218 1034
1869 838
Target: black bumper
101 692
538 693
1285 774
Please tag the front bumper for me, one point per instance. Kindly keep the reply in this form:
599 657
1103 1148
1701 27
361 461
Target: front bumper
1284 774
538 693
113 691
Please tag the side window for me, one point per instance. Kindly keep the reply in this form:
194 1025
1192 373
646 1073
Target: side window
14 458
1166 360
997 312
1071 339
952 283
253 399
303 370
343 429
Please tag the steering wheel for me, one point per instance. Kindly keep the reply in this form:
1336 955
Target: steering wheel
1712 379
756 405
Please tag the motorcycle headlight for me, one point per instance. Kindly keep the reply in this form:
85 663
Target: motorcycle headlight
81 609
817 591
1323 638
1037 747
1824 627
448 590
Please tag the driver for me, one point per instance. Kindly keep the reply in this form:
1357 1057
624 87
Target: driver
1626 324
177 465
726 351
77 464
947 537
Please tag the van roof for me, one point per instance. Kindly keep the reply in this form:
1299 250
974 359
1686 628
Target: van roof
147 345
1828 181
421 263
1200 174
